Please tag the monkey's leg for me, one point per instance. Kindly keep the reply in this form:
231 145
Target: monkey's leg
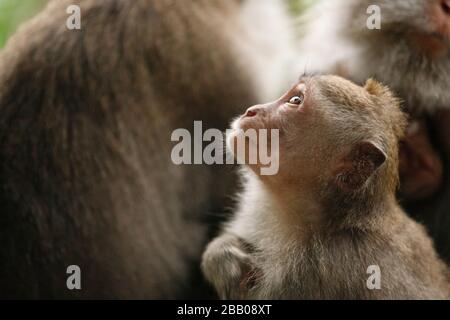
228 266
421 168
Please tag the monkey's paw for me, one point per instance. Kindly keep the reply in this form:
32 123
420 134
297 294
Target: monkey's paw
228 266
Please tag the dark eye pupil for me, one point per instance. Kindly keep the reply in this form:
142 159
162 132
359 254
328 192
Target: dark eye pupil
296 100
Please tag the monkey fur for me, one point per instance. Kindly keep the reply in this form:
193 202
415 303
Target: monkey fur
86 118
411 54
313 230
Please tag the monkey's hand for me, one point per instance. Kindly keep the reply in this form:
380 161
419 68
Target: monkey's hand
421 167
228 266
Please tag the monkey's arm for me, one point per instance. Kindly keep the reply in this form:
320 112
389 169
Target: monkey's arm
228 265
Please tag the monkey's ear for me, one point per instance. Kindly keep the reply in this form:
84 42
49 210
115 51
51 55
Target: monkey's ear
356 168
375 88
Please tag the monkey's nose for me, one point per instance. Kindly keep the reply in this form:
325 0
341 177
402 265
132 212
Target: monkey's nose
252 111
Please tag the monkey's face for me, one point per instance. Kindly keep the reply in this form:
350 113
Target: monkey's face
321 120
304 125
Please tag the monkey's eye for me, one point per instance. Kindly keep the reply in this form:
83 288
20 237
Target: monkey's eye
297 100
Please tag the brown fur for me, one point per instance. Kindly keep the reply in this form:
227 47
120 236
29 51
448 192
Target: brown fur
410 54
312 231
85 123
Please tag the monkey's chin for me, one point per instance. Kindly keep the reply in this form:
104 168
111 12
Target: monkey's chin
235 125
231 138
239 145
232 134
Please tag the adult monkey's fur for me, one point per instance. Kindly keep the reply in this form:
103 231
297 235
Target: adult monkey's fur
86 118
410 54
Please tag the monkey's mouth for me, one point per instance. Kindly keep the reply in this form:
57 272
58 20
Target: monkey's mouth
246 122
432 44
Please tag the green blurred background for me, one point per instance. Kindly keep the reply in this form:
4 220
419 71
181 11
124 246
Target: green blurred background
13 12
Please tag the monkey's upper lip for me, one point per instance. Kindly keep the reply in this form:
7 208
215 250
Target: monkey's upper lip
246 118
240 123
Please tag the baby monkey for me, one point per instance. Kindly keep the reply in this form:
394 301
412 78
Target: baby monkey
317 228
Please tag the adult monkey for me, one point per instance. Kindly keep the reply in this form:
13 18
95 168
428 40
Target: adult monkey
86 118
410 53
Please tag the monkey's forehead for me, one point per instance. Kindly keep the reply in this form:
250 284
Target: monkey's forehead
342 92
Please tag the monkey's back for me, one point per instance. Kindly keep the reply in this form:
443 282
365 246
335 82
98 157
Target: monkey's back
85 123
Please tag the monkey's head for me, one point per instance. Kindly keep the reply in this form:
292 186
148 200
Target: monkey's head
423 24
331 132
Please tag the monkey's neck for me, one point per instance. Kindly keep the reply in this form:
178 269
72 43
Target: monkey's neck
362 210
297 213
310 212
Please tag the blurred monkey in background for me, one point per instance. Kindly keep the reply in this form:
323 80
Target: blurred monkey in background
86 118
410 52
